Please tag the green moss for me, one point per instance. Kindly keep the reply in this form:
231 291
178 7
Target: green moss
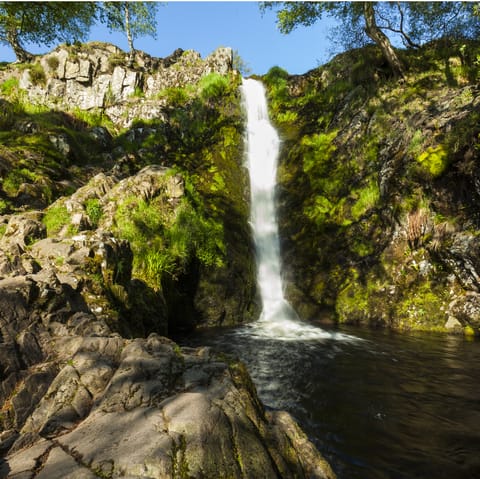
421 306
320 210
363 247
352 303
318 148
15 178
469 331
55 218
366 199
180 468
434 160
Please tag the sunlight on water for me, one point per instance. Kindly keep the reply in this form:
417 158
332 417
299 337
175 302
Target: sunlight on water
278 319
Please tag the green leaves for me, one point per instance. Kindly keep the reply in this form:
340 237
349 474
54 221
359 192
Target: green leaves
44 23
136 19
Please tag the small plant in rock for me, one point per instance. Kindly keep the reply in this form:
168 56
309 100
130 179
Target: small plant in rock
53 62
94 211
116 60
37 74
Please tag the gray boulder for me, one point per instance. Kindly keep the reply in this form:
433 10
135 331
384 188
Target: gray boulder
201 416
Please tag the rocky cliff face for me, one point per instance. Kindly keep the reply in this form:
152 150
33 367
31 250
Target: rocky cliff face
379 189
97 76
123 217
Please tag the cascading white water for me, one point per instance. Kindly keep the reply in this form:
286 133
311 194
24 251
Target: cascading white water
278 319
262 151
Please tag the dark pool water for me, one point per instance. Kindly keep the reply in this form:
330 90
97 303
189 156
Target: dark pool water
378 405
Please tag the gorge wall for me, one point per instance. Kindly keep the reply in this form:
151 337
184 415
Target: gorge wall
124 218
379 188
80 120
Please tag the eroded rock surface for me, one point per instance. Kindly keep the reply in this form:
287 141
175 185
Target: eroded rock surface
146 408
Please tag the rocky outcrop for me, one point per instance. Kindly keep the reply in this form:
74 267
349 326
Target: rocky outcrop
98 76
78 399
200 415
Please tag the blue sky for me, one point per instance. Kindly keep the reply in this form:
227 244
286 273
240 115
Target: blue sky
204 26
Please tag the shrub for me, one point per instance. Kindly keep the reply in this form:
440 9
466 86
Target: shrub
175 96
37 74
213 86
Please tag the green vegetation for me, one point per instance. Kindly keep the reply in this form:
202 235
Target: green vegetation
434 160
133 18
94 117
360 22
213 86
43 23
55 218
165 245
94 211
15 178
9 86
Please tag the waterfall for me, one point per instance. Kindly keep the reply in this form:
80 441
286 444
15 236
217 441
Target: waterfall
263 146
278 319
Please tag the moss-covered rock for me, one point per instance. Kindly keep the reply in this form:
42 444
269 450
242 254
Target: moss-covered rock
376 184
172 183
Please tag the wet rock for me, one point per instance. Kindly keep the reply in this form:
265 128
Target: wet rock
463 259
466 311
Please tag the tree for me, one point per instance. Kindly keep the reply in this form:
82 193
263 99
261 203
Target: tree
134 18
43 23
410 22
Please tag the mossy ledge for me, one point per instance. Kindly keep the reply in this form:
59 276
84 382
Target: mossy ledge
378 188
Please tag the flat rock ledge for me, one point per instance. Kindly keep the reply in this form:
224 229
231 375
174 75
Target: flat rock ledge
146 408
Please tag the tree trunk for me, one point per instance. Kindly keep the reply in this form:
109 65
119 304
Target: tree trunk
372 30
128 30
22 55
